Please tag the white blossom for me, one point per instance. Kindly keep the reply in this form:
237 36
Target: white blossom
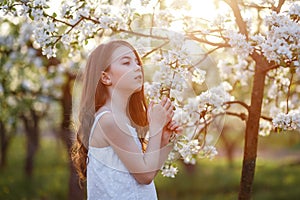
265 128
215 96
198 76
163 18
209 152
49 51
225 69
239 44
281 40
37 14
294 9
24 10
65 39
41 3
169 171
289 121
177 40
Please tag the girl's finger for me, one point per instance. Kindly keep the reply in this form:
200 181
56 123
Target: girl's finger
169 104
171 124
174 126
171 108
164 101
170 115
178 130
149 110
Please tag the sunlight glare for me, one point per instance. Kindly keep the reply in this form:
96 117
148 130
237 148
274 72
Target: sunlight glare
207 9
202 9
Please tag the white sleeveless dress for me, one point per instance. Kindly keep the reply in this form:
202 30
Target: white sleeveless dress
108 178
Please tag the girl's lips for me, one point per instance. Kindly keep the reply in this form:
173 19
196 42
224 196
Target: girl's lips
138 77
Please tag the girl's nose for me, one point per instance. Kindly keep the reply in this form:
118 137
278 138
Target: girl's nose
137 67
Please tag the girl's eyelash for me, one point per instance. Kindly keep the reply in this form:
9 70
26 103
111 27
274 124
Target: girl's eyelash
128 62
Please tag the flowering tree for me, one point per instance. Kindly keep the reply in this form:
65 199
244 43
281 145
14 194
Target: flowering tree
30 84
260 41
26 79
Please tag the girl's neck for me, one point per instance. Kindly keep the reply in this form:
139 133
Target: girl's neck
117 103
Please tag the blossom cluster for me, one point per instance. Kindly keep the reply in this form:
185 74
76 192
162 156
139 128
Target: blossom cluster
175 69
287 121
189 150
265 128
77 21
73 24
208 103
281 41
240 46
240 72
31 82
174 75
193 113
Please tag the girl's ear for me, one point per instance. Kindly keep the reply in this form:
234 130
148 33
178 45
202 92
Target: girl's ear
105 79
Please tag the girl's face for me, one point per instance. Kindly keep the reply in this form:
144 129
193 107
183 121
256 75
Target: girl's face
125 72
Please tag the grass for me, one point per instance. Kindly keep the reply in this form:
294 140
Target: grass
210 180
50 179
215 180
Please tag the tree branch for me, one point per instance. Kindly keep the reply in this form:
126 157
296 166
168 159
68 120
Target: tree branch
71 28
266 118
253 5
242 116
142 34
57 20
160 46
193 37
238 102
271 67
238 17
278 8
204 57
261 63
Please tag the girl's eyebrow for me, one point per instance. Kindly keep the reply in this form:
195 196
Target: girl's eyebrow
128 57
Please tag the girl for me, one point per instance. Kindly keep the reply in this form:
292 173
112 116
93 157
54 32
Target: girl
111 150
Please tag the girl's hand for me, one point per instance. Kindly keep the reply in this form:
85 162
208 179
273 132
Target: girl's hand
171 128
159 115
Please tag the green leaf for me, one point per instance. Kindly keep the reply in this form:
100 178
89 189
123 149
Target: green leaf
3 3
54 15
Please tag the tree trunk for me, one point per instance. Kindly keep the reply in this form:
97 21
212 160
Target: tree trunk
251 135
75 192
229 147
4 145
31 125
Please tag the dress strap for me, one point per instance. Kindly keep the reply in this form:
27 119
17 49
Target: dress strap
97 117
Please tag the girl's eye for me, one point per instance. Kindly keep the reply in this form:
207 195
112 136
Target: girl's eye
126 63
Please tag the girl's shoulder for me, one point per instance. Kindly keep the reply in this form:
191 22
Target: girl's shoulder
101 111
97 139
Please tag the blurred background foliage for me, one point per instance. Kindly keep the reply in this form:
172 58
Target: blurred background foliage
35 96
277 173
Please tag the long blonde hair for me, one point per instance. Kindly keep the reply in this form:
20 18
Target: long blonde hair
98 61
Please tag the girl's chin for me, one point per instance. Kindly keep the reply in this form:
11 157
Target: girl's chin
138 89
